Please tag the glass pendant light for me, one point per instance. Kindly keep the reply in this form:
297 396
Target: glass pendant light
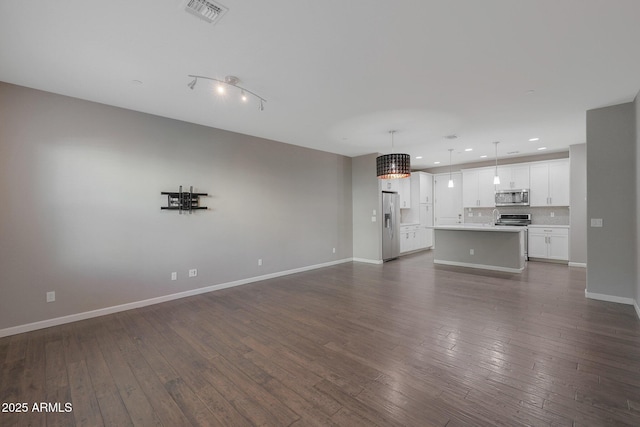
392 166
450 184
496 178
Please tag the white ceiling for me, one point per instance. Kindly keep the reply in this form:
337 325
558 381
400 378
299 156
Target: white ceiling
338 75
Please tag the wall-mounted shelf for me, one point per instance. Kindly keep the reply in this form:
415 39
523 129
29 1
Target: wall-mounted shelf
183 201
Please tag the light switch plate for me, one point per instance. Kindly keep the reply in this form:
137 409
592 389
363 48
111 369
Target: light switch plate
596 222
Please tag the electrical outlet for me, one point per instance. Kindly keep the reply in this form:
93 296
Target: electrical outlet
51 296
373 219
596 222
471 252
174 275
193 272
470 214
334 250
553 214
260 261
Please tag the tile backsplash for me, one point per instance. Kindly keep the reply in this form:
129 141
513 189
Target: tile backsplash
539 215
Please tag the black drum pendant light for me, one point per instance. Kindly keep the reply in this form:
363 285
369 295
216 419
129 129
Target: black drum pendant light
394 165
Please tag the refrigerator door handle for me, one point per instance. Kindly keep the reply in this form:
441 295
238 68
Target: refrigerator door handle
391 220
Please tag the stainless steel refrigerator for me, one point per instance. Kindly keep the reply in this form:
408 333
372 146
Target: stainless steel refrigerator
390 226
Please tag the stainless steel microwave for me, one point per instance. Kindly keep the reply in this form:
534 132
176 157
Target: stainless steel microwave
512 197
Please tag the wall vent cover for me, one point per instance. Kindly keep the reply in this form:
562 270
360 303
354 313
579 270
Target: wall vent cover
207 10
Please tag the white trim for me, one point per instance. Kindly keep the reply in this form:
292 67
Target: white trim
609 298
137 304
635 304
481 266
368 261
578 264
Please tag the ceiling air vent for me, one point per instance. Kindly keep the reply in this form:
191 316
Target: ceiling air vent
203 9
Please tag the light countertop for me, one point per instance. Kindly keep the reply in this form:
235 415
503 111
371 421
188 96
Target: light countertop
480 227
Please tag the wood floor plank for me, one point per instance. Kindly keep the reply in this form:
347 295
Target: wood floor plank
112 408
402 343
138 406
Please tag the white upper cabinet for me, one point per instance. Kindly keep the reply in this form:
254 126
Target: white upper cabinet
513 177
421 188
401 186
477 188
390 185
426 187
405 193
550 183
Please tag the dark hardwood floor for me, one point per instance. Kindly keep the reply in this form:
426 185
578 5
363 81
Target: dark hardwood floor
404 343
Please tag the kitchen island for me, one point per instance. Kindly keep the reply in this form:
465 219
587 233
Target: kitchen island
488 247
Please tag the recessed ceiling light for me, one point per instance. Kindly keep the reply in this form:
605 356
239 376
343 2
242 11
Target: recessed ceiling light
534 139
468 149
418 157
530 92
136 82
542 148
436 163
452 136
483 156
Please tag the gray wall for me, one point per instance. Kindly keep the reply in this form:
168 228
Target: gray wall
367 238
81 183
637 215
578 211
611 195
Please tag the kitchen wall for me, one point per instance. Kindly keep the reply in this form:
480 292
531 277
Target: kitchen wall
578 233
636 103
612 191
539 215
81 201
367 234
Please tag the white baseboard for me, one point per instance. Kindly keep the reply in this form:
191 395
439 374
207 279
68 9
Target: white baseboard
480 266
578 264
610 298
368 261
137 304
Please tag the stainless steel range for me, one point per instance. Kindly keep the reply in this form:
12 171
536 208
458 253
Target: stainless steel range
517 220
520 220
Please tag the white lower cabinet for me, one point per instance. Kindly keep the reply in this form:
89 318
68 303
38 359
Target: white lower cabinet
411 238
549 243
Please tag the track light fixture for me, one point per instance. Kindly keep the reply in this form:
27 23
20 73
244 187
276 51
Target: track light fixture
229 81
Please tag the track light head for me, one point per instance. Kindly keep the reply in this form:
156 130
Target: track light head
193 83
